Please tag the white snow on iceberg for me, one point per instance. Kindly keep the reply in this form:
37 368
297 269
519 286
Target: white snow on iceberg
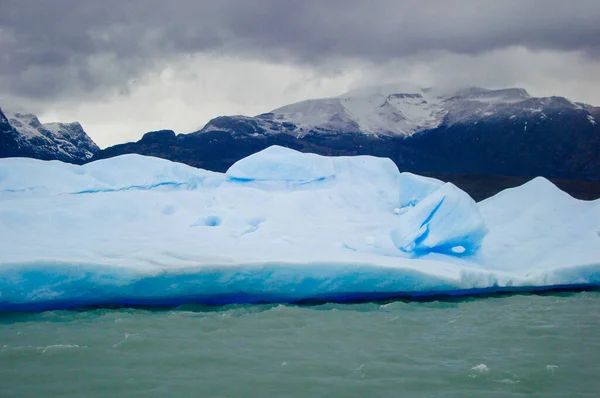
279 226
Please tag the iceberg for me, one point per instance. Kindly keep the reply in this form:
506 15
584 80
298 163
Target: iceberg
278 226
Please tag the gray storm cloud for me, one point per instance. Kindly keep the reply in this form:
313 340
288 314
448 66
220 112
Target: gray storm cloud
124 67
57 47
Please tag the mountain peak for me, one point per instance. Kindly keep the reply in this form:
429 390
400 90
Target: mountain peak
395 109
63 141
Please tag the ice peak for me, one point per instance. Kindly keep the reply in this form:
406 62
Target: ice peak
278 163
541 186
537 190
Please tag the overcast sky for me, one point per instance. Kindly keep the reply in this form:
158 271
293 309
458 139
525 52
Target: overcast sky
122 68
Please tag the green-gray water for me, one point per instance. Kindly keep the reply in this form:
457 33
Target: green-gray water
512 346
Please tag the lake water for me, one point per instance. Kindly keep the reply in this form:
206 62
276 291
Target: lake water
506 346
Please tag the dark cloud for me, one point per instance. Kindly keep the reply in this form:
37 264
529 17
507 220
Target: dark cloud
54 47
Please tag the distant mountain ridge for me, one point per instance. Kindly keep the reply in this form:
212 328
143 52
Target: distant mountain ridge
22 134
388 111
461 136
468 131
380 111
385 112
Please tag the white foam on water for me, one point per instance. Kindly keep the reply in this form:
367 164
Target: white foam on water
57 346
481 368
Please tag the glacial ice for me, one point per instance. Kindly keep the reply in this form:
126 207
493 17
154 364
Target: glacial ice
446 220
278 226
415 188
277 164
115 174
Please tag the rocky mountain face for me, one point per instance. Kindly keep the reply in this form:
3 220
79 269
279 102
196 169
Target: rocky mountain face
22 134
8 138
470 131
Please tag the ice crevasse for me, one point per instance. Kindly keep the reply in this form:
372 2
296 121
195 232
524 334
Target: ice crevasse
278 226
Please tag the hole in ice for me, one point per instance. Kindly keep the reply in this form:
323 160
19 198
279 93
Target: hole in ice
212 221
208 221
458 249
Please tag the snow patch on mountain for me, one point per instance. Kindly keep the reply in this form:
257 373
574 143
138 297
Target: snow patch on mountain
26 124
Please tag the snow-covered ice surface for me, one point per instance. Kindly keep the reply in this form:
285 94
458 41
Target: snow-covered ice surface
279 226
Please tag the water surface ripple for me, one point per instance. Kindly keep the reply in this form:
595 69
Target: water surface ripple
507 346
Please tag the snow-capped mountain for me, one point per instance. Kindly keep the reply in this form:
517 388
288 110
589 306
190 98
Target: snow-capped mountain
380 111
388 111
24 135
469 131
